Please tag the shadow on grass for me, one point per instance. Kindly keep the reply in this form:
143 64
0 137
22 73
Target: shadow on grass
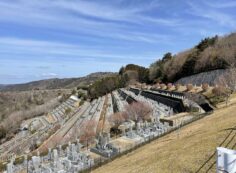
221 145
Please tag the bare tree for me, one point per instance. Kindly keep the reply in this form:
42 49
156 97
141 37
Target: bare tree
227 83
138 111
18 116
205 87
221 91
228 80
87 132
117 119
133 76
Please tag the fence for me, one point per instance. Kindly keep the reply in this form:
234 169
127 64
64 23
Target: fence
102 161
211 161
131 147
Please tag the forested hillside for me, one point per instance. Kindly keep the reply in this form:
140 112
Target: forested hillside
201 64
210 54
127 75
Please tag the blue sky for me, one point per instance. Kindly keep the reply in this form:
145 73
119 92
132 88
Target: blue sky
42 39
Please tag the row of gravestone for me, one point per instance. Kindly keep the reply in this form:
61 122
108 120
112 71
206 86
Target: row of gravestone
73 160
145 131
56 161
158 108
104 147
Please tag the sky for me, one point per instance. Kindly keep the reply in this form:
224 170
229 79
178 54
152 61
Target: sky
41 39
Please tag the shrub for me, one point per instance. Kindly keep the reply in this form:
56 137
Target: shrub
73 92
81 102
219 91
189 87
169 86
205 87
68 111
177 86
193 109
19 160
157 85
3 166
3 132
163 86
216 100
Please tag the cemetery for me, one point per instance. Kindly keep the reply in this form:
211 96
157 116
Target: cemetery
71 159
63 111
167 113
159 109
119 102
109 112
103 146
36 130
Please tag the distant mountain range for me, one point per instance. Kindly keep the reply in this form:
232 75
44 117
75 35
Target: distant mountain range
2 86
56 83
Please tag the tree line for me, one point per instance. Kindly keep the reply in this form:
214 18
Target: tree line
209 54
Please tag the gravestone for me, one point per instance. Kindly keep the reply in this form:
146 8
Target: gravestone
67 151
131 134
138 126
60 150
103 147
10 167
25 160
55 155
36 162
49 153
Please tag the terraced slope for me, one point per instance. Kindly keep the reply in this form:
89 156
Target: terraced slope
189 150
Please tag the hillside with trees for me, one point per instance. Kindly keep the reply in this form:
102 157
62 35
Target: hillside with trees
209 57
106 85
135 73
127 75
48 84
210 54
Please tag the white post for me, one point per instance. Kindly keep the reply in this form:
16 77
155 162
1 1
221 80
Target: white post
226 160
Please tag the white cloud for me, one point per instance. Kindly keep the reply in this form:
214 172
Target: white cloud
220 4
79 16
48 75
201 10
51 49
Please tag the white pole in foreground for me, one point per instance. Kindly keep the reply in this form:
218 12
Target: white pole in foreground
226 160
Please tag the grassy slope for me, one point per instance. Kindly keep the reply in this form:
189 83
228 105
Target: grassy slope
185 152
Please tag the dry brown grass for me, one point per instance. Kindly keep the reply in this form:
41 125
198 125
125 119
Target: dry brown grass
232 100
180 152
